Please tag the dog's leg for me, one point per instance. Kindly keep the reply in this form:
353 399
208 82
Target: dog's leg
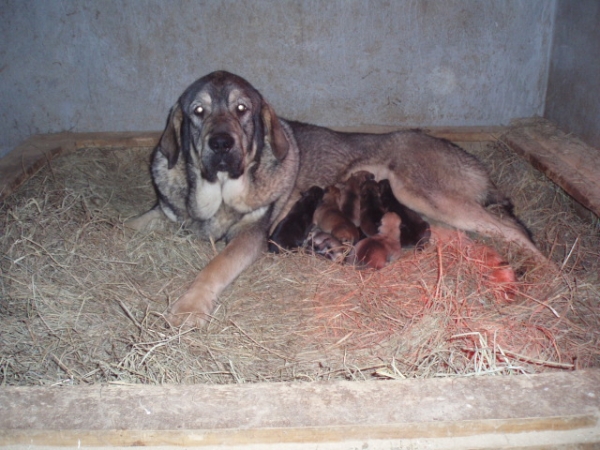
474 217
148 221
194 307
465 213
468 215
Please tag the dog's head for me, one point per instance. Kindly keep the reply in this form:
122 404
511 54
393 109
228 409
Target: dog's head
222 124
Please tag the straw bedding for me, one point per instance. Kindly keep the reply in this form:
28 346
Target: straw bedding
82 299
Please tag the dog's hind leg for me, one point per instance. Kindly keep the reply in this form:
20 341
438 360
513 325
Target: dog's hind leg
471 216
464 209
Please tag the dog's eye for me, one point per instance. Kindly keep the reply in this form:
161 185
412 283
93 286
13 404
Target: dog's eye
199 111
241 108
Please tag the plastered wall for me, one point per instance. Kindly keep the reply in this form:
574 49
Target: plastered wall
93 65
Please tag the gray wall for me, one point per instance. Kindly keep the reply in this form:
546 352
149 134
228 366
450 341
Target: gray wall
573 97
94 65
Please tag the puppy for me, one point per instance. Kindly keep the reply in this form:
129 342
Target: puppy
326 245
293 229
377 251
330 219
350 195
371 208
414 231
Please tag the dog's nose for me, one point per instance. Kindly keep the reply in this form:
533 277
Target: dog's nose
221 143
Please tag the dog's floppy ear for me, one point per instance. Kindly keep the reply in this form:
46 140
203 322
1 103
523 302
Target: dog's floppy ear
274 133
170 141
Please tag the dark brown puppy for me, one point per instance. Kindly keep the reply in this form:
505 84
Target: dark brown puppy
330 219
371 208
414 230
350 195
293 229
378 250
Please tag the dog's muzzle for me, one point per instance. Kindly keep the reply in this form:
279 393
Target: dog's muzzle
221 143
223 156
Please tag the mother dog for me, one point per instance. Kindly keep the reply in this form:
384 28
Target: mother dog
228 168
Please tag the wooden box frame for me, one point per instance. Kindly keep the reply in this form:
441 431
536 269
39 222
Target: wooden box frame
553 410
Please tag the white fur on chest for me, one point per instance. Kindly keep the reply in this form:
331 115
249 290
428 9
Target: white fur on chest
234 192
209 197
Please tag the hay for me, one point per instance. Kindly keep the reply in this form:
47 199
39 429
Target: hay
82 300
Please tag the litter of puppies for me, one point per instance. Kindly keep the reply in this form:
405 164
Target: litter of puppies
359 222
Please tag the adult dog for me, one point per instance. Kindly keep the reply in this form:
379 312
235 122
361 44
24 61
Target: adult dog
228 168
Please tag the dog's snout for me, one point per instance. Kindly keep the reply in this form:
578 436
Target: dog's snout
221 142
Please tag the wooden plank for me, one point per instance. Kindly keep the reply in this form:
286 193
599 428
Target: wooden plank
34 153
565 159
29 157
126 139
313 435
565 404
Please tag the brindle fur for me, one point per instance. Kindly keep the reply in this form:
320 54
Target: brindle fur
228 168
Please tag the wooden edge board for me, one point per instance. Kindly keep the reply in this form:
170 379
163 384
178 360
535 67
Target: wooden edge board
561 402
291 435
34 153
565 159
125 139
320 412
29 157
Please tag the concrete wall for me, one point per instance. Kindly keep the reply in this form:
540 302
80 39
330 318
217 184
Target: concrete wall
92 65
573 97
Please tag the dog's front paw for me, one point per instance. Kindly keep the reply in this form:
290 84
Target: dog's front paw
191 310
149 221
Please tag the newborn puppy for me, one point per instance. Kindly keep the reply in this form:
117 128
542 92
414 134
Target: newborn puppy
326 245
371 208
414 229
330 219
368 253
292 231
350 195
377 251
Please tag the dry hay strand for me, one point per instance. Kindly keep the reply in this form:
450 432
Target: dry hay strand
82 300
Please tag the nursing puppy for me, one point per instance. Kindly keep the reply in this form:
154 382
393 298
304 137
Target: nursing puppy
326 245
350 195
293 229
414 231
371 208
229 169
382 248
330 219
